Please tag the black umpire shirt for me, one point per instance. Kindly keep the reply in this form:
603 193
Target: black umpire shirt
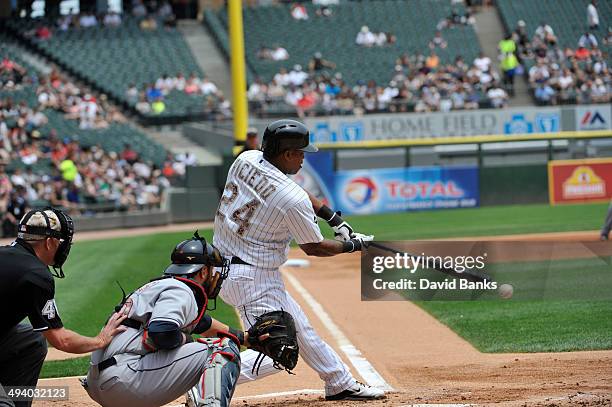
27 289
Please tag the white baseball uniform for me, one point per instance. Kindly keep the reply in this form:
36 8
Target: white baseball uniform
260 212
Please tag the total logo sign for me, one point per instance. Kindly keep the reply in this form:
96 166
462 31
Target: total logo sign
593 118
365 194
361 194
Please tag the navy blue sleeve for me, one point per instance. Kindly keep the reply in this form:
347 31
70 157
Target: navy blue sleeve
204 325
165 335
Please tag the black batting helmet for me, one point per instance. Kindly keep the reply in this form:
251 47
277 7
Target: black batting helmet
286 134
189 256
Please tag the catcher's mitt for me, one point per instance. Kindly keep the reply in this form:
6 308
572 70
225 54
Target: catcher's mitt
279 340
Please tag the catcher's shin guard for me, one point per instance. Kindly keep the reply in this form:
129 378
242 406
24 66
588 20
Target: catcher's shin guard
216 386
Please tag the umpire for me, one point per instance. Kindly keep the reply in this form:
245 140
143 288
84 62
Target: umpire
27 289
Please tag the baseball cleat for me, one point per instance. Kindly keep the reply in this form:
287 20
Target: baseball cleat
358 391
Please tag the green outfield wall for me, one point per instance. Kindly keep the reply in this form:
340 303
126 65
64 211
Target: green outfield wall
513 185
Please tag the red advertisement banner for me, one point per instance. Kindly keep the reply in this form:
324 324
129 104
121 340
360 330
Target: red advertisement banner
576 181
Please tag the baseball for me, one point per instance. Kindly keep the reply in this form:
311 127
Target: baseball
505 291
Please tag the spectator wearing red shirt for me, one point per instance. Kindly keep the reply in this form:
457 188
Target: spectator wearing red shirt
582 53
307 102
59 153
43 32
168 170
129 155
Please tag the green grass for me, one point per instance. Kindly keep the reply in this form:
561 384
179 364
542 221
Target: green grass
65 368
486 221
88 293
528 326
558 306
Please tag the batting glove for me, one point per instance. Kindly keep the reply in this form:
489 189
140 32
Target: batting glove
357 242
342 230
361 237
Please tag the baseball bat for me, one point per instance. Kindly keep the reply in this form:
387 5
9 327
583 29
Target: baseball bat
469 275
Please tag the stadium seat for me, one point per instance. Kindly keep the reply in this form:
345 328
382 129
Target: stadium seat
412 22
112 58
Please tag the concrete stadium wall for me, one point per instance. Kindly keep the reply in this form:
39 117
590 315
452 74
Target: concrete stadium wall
190 205
121 220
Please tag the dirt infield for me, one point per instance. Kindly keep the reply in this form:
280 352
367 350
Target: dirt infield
422 359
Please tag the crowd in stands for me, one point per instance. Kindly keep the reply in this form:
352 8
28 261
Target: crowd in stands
417 83
274 53
367 38
151 99
150 15
12 74
85 179
299 12
55 92
557 75
52 167
80 177
456 19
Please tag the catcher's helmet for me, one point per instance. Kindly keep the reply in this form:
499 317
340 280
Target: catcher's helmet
286 134
189 256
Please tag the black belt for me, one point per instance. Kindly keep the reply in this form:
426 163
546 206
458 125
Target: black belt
132 323
238 260
105 364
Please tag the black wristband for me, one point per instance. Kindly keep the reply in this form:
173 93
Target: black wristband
325 213
348 247
351 246
238 334
332 218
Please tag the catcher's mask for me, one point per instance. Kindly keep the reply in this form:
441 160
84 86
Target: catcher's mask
53 223
189 256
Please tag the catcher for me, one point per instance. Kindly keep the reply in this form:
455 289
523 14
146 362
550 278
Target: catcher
156 360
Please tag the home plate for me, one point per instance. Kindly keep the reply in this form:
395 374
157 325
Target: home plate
297 263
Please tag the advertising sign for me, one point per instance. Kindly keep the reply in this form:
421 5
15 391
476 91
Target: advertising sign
417 125
593 117
574 181
401 189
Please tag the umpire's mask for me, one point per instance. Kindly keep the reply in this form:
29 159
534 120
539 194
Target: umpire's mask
40 224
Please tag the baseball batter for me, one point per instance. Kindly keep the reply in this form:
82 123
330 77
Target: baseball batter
155 360
260 212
